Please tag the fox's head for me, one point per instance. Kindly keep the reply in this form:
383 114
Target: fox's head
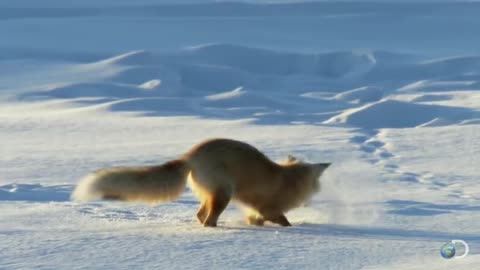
309 173
301 180
317 171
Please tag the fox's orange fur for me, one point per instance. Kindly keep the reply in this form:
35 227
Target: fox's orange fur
221 170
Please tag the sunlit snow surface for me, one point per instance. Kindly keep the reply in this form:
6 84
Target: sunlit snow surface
388 91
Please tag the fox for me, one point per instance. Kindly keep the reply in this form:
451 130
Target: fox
218 170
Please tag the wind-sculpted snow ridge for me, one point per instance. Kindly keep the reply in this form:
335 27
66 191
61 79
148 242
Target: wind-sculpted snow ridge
358 88
399 114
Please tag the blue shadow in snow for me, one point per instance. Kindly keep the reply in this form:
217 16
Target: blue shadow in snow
35 193
417 208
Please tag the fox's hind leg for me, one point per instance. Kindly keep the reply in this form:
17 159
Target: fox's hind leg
202 212
255 220
253 217
215 193
215 205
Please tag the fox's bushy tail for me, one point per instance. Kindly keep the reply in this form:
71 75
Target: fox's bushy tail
161 183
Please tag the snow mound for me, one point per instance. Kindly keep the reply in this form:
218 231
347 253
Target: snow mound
398 114
150 84
436 122
153 106
475 121
361 95
263 61
131 58
227 95
438 86
97 89
239 98
35 192
274 83
430 98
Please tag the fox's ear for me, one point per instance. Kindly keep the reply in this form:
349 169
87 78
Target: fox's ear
322 166
291 159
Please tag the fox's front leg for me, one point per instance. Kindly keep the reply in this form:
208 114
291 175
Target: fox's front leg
279 219
275 217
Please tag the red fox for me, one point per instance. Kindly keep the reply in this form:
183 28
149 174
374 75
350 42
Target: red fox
220 170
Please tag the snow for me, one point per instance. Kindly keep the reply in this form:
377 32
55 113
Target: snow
361 95
399 114
389 92
150 84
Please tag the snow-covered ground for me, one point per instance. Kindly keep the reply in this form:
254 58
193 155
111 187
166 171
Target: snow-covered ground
388 91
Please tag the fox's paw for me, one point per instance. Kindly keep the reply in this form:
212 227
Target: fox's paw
257 221
202 214
208 223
